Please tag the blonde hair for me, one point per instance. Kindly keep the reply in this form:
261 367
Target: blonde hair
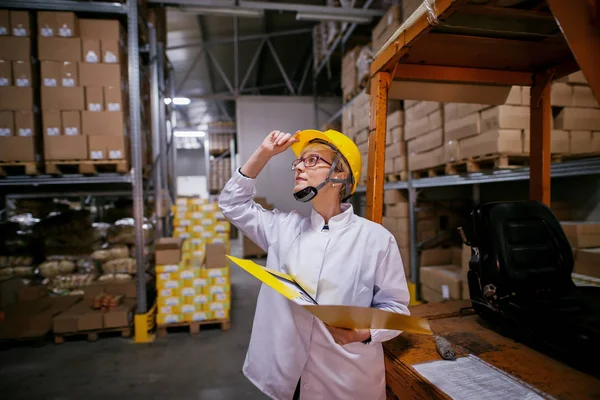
342 165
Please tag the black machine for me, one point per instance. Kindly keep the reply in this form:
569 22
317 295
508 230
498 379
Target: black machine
520 275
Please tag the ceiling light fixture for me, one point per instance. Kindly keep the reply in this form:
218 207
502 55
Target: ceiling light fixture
178 101
304 16
224 11
192 134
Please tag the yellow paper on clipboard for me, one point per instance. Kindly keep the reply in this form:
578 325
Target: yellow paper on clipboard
341 316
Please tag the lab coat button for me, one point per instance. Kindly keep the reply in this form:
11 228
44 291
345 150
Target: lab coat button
306 386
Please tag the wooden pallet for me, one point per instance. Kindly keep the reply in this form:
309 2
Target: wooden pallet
569 157
193 327
18 168
92 335
397 177
487 162
86 167
439 170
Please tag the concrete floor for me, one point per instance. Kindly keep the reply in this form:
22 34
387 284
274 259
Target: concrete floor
207 366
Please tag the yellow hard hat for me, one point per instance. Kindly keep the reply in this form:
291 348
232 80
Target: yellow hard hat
343 143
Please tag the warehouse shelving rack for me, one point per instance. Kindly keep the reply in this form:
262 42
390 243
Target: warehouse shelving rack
109 185
529 48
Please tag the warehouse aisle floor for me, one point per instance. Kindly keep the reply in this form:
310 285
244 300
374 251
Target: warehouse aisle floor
207 366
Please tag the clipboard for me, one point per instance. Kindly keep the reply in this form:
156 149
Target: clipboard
340 316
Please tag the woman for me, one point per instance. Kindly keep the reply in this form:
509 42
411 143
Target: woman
336 256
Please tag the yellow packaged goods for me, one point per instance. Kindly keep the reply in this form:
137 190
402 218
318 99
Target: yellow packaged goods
215 306
194 283
220 280
197 316
167 310
181 201
221 314
198 201
189 273
191 292
182 235
168 268
214 289
168 292
215 272
222 226
220 297
190 308
170 301
163 319
200 299
171 284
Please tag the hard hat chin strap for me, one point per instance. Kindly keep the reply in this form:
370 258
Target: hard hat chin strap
310 192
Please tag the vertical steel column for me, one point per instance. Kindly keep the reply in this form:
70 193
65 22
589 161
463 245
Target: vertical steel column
236 60
412 220
170 138
539 143
156 150
136 150
207 162
162 139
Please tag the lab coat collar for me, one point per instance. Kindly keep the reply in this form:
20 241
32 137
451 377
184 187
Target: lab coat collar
337 222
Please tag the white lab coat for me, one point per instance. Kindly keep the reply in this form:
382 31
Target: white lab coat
355 262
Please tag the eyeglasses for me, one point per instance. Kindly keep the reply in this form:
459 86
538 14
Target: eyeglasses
309 161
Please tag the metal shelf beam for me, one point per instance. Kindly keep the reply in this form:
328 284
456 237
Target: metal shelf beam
68 180
558 170
67 5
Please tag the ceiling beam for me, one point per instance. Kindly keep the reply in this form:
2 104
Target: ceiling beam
276 6
242 38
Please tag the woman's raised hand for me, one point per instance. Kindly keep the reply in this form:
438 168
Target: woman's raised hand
277 142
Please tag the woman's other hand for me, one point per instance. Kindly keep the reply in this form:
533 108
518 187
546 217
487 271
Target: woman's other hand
277 142
345 336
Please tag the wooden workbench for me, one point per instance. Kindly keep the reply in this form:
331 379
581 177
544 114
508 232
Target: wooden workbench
470 335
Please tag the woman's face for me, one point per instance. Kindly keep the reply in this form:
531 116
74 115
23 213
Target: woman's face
312 176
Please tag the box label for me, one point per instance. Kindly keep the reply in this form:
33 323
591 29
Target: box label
199 316
47 31
50 82
5 132
221 297
172 301
216 306
68 82
188 308
23 82
113 107
165 310
187 274
25 132
4 81
94 107
220 314
217 272
200 299
65 31
97 155
166 292
115 154
169 268
53 131
164 276
72 131
19 31
3 31
110 58
220 280
197 241
199 282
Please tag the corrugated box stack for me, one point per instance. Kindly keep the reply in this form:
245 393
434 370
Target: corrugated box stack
585 240
355 125
59 51
386 27
193 285
220 166
443 273
424 133
395 151
201 222
18 134
249 248
395 220
102 76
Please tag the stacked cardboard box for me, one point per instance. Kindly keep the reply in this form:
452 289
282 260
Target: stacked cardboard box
396 220
102 74
18 134
443 273
386 27
424 133
355 125
201 222
191 287
584 237
220 173
395 151
349 72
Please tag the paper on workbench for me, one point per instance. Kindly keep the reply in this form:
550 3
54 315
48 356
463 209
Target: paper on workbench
470 378
350 317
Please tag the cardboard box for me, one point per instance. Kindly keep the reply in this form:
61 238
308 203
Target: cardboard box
584 97
101 29
413 129
399 210
580 142
395 150
59 49
562 94
444 280
47 26
505 117
452 151
107 147
94 99
16 98
386 26
429 159
560 141
9 290
17 148
100 75
102 123
21 72
69 74
66 24
25 123
515 96
5 73
438 256
7 123
216 255
119 318
582 234
4 23
578 119
168 251
51 123
90 51
65 147
113 99
504 141
111 51
71 123
464 127
20 23
90 320
62 98
51 73
68 321
589 256
15 48
426 142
